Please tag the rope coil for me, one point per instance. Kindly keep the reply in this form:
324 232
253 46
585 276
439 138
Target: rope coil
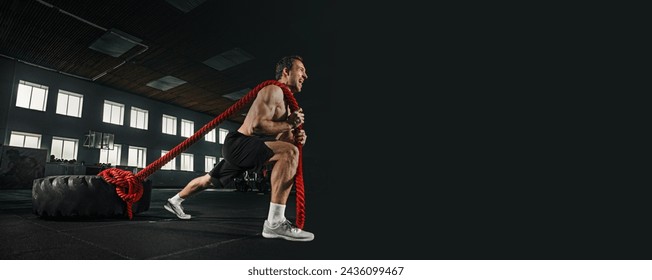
124 181
132 184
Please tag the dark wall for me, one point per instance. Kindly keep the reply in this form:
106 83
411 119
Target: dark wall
6 78
49 124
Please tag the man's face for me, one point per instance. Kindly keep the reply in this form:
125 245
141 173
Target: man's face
297 75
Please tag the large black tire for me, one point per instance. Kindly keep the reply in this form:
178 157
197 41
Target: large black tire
82 196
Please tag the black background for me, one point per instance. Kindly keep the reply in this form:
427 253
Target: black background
458 133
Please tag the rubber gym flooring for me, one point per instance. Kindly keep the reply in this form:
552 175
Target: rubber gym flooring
369 225
226 225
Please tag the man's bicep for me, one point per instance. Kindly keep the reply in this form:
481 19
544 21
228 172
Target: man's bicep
266 107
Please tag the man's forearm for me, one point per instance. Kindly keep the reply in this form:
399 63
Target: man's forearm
287 136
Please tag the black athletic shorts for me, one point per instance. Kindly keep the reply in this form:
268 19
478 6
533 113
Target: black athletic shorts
241 153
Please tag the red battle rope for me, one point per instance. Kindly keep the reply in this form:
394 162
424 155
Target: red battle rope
132 184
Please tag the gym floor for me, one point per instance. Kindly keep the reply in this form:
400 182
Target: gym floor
349 224
226 225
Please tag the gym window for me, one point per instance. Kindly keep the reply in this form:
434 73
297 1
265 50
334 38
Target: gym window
113 112
209 163
137 156
187 162
187 128
25 140
171 165
169 125
139 118
64 148
111 156
210 136
31 96
69 104
223 133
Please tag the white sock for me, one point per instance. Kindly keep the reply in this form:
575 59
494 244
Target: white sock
176 199
276 214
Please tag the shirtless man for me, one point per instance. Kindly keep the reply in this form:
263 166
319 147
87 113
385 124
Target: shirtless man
266 136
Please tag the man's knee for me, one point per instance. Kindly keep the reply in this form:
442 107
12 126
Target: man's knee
286 152
291 154
294 152
213 182
294 156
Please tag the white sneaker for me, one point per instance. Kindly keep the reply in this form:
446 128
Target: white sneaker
286 231
176 209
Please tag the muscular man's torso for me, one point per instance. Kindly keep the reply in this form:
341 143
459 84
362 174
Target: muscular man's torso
281 113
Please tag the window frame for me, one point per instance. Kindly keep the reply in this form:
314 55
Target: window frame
164 124
43 105
171 165
184 126
138 163
25 135
223 133
64 139
113 104
133 118
68 94
210 136
183 158
117 149
208 168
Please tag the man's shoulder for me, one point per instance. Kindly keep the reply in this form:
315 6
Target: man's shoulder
273 91
273 87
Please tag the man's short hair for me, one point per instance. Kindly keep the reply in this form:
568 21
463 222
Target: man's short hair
286 62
